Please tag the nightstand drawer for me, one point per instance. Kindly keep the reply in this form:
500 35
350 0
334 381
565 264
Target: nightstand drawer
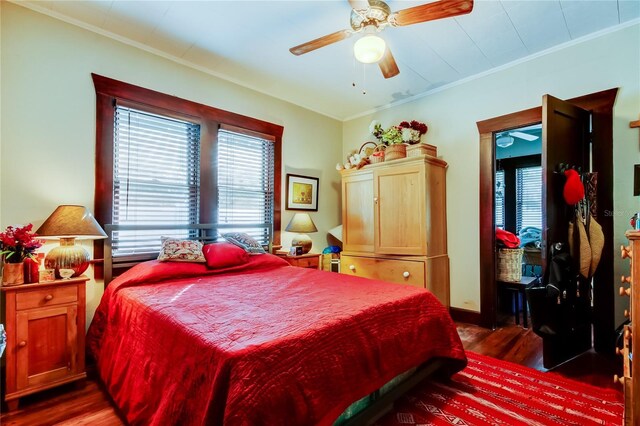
396 271
306 262
46 296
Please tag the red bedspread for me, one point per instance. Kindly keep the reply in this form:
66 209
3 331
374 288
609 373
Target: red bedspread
263 343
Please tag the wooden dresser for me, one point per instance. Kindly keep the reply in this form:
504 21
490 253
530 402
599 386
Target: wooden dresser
631 339
395 225
45 325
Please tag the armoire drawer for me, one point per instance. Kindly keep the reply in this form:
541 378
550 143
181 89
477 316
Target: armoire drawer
396 271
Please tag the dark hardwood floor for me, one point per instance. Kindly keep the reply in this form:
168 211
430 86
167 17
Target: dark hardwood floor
90 404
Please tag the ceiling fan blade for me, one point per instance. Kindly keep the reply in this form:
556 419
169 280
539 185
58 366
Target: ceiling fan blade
525 136
359 4
320 42
432 11
388 65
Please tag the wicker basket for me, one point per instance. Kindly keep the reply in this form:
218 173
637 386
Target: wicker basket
395 151
377 156
422 149
509 265
367 149
532 256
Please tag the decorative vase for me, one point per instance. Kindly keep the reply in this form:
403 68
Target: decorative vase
13 274
395 151
422 149
31 267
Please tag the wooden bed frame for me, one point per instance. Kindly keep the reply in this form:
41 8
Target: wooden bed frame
209 233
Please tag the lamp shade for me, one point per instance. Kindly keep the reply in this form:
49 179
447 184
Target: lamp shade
336 232
71 222
301 222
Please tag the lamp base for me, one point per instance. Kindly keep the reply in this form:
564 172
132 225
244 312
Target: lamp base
67 256
304 241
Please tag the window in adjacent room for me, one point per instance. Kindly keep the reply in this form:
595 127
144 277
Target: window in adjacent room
528 197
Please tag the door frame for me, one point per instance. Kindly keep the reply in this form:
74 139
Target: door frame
600 104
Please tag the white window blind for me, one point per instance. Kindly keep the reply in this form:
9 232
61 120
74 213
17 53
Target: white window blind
156 177
500 193
528 197
245 166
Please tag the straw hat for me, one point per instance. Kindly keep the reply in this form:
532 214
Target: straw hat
579 246
596 241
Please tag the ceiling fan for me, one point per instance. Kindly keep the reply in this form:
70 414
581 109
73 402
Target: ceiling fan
372 16
506 139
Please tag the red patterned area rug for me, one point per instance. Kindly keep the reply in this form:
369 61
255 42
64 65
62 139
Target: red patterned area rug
493 392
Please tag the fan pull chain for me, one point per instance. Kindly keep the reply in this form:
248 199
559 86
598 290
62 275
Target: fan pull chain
364 79
353 72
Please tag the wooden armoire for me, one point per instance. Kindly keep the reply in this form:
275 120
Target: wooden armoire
395 223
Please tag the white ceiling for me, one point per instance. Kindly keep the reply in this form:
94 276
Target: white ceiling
248 42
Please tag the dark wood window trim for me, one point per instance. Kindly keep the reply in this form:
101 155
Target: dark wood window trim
109 91
600 104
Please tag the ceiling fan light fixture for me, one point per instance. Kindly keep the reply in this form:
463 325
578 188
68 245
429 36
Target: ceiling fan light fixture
504 141
369 49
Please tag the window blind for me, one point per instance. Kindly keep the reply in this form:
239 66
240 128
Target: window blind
500 193
245 165
156 177
528 197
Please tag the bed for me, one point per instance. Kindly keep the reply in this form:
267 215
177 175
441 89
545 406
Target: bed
261 342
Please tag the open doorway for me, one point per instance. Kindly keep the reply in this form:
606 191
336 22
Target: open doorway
518 212
565 140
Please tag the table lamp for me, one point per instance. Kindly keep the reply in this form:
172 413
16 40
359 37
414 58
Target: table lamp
68 223
302 224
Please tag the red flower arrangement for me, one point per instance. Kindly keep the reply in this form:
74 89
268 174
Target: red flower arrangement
16 244
415 125
412 131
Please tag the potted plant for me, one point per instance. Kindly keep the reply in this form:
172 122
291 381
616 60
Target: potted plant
392 138
16 245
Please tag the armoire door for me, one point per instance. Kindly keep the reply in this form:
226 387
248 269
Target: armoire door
357 212
400 210
565 139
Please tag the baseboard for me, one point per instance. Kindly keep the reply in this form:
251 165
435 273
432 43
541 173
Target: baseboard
465 315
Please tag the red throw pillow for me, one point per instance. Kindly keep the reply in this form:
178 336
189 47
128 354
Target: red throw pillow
224 255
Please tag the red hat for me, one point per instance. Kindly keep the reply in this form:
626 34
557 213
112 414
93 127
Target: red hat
573 189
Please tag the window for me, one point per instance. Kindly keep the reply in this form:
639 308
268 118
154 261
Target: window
528 197
245 183
500 194
156 178
162 160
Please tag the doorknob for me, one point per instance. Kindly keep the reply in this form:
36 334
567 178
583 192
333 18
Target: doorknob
22 344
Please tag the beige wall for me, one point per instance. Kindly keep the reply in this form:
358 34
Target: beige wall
612 60
48 111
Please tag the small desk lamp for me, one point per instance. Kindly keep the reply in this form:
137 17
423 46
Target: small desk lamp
68 223
301 223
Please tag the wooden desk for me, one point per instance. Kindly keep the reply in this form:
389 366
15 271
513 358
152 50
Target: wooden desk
516 289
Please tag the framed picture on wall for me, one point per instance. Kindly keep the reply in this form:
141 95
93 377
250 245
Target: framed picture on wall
302 193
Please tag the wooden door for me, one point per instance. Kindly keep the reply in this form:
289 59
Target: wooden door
46 345
357 212
565 139
400 210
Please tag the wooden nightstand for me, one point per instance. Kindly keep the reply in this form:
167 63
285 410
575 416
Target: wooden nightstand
45 325
309 260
